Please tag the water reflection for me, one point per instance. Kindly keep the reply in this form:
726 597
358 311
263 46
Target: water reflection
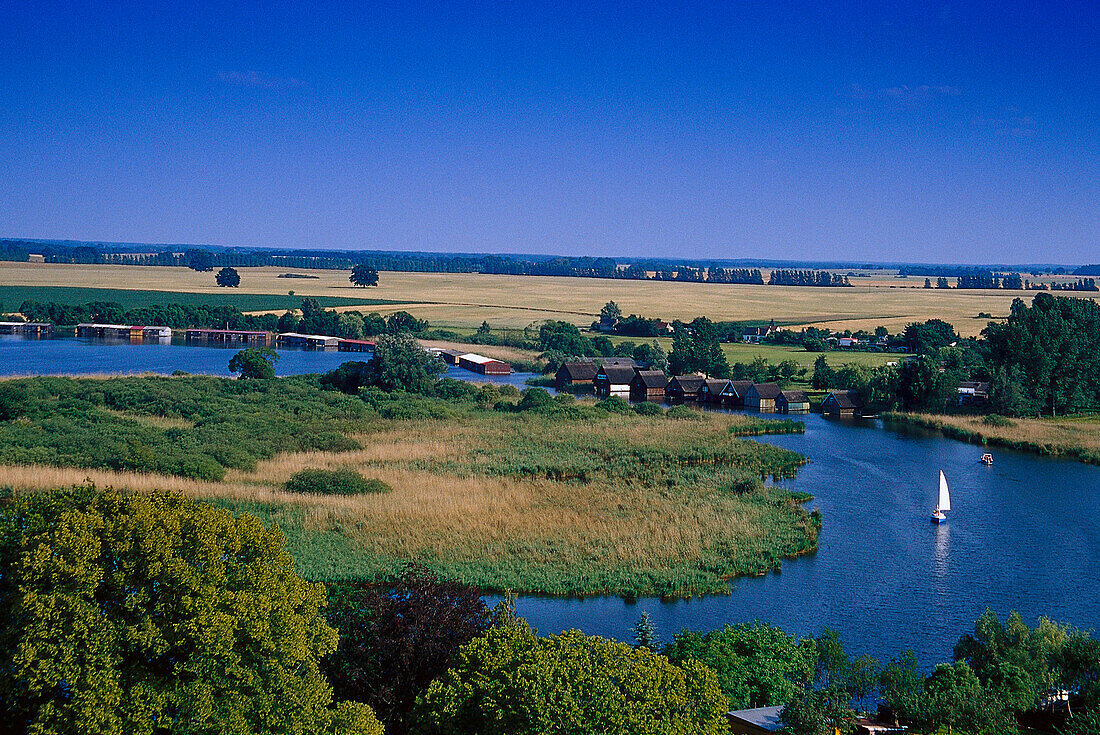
941 549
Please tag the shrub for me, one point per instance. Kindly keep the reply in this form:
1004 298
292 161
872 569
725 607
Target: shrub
614 404
343 481
648 409
682 412
995 419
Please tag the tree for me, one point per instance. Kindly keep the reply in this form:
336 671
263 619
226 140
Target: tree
512 681
158 614
200 260
816 713
348 378
652 356
861 680
903 689
364 275
928 283
645 634
403 322
228 277
611 312
349 325
396 637
758 665
925 337
400 363
824 376
254 363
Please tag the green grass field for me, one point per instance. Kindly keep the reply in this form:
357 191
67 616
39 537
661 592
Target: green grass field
12 296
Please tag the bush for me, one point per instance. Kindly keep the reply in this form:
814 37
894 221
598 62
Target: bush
682 412
614 404
995 419
344 481
648 409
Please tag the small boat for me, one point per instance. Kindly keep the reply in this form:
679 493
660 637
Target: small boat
944 503
987 459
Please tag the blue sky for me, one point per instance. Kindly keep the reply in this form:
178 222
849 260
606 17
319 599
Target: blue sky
956 132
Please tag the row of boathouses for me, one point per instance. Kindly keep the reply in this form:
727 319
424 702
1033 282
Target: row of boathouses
628 381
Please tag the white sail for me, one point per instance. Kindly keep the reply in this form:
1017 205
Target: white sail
945 496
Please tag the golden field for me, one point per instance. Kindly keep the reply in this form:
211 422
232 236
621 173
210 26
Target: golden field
465 300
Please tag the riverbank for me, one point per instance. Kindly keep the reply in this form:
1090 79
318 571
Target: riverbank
1075 437
569 499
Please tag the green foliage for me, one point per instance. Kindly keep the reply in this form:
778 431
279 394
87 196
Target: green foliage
816 713
645 408
645 633
1086 723
256 363
995 419
683 413
343 481
614 404
511 681
225 423
228 277
157 614
926 337
611 311
758 665
697 348
400 363
363 275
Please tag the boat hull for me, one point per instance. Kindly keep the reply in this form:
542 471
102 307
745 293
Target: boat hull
938 518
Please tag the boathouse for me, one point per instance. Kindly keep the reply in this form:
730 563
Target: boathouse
613 380
355 345
757 721
245 337
686 388
484 365
575 373
845 403
103 331
712 390
761 396
451 356
792 401
648 385
307 341
29 329
734 393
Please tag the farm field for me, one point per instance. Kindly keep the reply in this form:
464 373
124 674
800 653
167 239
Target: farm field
465 300
568 500
774 354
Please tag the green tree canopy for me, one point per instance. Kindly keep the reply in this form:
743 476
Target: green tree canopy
255 363
144 614
400 363
512 681
228 277
363 275
758 665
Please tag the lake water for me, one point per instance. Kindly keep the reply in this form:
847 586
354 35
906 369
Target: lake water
1023 534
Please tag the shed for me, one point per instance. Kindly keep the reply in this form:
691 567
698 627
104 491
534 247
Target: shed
713 388
613 380
451 356
792 401
761 396
758 721
734 393
484 365
648 385
842 403
32 329
229 336
307 341
575 373
686 387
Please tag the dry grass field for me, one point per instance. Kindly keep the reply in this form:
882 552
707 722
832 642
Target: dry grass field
1071 436
465 300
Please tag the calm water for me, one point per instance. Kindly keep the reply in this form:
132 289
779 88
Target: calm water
1024 533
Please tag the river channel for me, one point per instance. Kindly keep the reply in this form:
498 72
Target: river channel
1023 534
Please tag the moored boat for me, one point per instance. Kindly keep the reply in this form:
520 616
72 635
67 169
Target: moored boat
987 459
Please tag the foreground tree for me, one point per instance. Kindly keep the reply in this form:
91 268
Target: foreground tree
512 681
400 363
364 275
254 363
228 277
158 614
397 636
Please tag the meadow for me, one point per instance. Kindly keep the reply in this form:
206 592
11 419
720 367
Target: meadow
569 499
464 300
1075 437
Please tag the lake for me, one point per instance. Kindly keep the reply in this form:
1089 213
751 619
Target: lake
1023 534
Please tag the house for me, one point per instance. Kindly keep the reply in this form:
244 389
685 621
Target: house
485 365
648 385
734 393
686 388
761 397
847 342
792 401
713 388
662 327
755 334
972 393
844 403
758 721
575 373
613 380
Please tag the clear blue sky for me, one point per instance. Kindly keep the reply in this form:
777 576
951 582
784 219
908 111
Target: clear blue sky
958 132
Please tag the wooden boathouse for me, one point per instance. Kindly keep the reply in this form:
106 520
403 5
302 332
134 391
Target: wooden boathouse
792 401
28 329
484 365
686 387
229 337
307 341
762 396
576 373
355 345
648 385
613 380
843 403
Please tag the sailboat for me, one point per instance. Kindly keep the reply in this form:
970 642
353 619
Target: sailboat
944 503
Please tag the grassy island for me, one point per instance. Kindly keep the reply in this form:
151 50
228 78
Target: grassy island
1073 437
563 497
